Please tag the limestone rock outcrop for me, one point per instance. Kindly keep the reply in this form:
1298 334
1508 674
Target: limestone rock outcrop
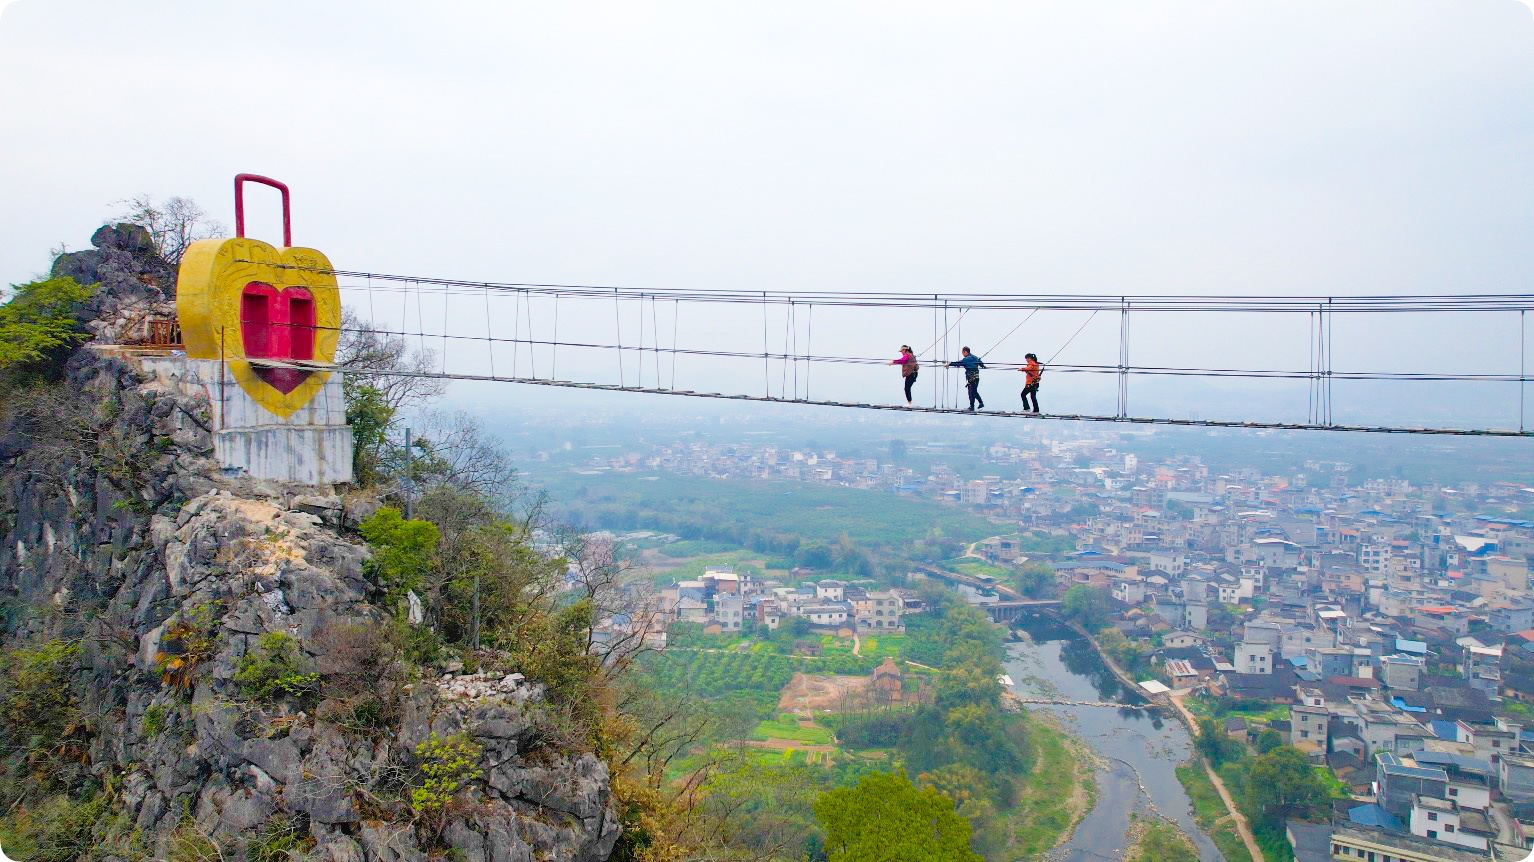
117 532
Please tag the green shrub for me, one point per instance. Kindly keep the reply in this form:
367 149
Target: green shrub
189 641
274 670
446 765
281 839
402 550
154 721
41 716
58 829
38 321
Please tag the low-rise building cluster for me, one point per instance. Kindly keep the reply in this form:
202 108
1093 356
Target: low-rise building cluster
724 601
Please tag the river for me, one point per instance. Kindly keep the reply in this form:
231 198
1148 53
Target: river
1142 749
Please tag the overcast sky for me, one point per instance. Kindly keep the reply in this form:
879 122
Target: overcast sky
1145 146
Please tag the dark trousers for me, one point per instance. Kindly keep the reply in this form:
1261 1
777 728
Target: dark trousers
910 381
973 385
1031 391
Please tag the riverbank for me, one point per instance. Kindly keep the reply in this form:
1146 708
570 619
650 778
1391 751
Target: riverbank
1243 828
1060 790
1152 839
1210 812
1233 815
1133 750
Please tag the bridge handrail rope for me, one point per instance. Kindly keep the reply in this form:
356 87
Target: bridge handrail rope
1144 370
1375 303
1320 374
312 365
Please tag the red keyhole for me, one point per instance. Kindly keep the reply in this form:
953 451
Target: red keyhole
278 324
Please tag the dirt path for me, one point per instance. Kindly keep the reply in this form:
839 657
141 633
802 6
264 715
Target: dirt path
1243 828
857 643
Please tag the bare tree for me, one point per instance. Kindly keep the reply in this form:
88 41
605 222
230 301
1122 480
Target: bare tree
625 611
174 223
384 361
468 457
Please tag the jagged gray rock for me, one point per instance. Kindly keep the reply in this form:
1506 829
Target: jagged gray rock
113 514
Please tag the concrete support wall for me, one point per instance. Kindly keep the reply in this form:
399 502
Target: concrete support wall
311 447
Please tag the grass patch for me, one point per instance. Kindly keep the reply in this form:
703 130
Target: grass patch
1044 813
778 729
880 646
972 567
1209 811
1259 711
1162 841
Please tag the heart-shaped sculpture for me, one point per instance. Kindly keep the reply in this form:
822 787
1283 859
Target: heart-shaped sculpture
243 301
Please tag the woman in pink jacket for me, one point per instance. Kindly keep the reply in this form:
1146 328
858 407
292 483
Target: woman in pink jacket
908 368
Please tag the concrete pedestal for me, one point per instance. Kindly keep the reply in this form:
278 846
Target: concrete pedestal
311 447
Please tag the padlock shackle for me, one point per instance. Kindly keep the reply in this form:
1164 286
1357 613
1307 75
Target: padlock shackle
239 205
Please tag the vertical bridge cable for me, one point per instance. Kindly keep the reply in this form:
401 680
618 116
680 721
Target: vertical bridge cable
420 320
532 349
1523 372
639 381
516 332
942 359
788 317
1330 325
1123 357
618 318
676 318
809 343
489 333
1310 374
766 374
554 372
793 316
655 325
445 299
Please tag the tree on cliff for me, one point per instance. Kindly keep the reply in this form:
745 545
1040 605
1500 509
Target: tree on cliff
37 322
174 223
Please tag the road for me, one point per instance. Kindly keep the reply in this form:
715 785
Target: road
1242 827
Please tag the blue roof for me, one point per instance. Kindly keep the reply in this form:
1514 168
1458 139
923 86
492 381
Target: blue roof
1374 815
1445 729
1300 661
1401 705
1417 647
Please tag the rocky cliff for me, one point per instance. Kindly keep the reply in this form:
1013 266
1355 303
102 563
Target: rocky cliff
161 581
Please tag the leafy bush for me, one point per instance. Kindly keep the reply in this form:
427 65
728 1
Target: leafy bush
281 839
446 765
41 716
274 669
154 721
38 321
57 830
402 549
189 641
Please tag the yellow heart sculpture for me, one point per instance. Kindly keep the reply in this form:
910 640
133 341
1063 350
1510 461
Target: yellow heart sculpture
241 299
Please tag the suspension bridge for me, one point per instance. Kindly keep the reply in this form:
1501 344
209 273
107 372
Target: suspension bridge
788 360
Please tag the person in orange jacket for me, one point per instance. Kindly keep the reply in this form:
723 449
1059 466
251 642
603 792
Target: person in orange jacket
1034 372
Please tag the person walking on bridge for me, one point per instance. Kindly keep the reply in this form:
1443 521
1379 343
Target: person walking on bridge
908 369
971 365
1034 372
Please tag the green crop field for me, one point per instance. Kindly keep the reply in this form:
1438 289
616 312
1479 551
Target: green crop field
684 504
